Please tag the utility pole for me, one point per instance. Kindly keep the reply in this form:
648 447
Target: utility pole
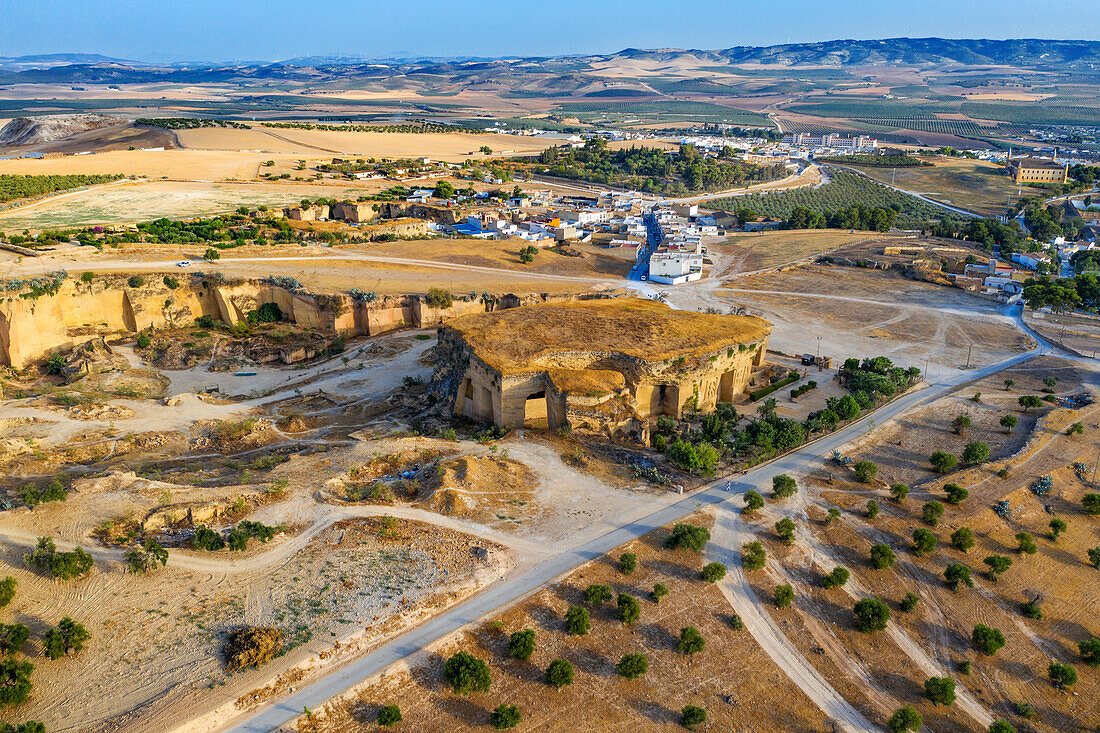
968 350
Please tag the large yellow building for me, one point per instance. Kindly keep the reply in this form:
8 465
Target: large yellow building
1032 170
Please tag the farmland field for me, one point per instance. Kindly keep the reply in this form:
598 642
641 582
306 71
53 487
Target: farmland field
675 110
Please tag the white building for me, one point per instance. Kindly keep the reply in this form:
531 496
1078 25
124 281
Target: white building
675 268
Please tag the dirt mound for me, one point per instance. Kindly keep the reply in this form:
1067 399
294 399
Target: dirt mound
251 647
450 502
50 128
100 412
229 436
471 485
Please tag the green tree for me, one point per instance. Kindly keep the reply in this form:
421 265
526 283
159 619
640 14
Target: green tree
753 501
12 638
211 254
940 690
962 539
485 149
975 452
627 609
713 572
691 641
1091 502
955 494
909 602
753 555
444 190
1094 557
871 615
960 424
597 594
957 573
521 644
943 462
924 542
905 719
1001 726
865 471
872 509
837 578
559 674
1090 651
465 673
147 557
1026 543
660 590
987 639
931 512
692 716
690 537
15 682
505 716
68 636
7 590
784 595
1057 528
389 715
783 486
1029 401
784 529
899 492
577 622
997 565
1009 384
1008 422
882 556
632 666
628 563
1062 675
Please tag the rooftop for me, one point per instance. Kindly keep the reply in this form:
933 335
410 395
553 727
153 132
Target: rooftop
518 340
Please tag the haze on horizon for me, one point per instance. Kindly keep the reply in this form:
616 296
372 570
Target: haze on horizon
272 30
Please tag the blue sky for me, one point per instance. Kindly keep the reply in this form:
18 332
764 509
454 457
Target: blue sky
221 30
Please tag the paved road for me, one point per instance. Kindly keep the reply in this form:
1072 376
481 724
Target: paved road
276 714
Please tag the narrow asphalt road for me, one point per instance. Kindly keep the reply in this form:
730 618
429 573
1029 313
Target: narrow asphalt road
276 714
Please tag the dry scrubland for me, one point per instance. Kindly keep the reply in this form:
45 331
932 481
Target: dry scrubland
759 251
732 678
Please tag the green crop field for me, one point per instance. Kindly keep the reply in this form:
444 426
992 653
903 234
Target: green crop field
846 189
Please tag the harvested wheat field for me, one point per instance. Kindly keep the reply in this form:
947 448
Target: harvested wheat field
731 678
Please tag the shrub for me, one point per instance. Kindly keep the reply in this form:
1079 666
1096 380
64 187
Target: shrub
924 542
1094 557
628 563
784 528
1057 527
871 615
905 719
87 277
997 565
15 682
1090 651
439 298
1091 502
962 539
211 254
632 666
559 674
577 622
713 572
964 667
252 646
1075 429
1031 609
389 715
943 462
783 486
784 596
1029 401
899 492
872 509
909 602
12 638
660 590
931 512
135 281
753 501
207 539
960 424
521 644
7 590
975 452
691 641
628 610
1023 709
61 565
987 639
955 494
737 623
505 716
1062 675
1027 543
865 471
689 537
692 716
753 555
1001 726
882 556
170 282
940 690
832 516
957 573
837 578
466 673
147 557
597 594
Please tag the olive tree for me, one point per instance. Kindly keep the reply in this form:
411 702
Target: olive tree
987 639
871 615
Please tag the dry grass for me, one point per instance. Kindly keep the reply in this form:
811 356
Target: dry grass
772 249
588 381
512 340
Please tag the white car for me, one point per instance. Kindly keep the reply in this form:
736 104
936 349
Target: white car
183 263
